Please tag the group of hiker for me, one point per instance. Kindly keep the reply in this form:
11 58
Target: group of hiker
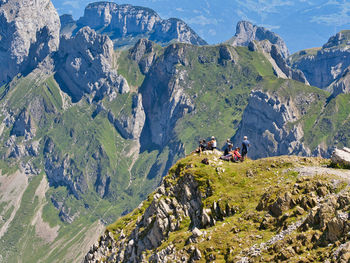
231 153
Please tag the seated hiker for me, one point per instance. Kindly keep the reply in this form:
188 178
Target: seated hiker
228 148
201 147
236 155
212 143
228 155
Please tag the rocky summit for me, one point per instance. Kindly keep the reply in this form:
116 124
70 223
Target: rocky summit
95 113
271 210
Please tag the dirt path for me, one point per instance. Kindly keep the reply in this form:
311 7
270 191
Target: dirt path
316 170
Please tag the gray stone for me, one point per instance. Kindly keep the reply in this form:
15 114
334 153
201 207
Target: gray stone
265 121
29 33
84 65
341 157
127 22
246 32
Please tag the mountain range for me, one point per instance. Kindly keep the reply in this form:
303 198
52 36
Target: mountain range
302 24
95 111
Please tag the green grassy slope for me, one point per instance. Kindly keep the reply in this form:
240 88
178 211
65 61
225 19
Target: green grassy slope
252 188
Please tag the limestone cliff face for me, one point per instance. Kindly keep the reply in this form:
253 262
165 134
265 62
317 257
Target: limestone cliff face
324 66
144 54
84 65
246 32
130 126
265 122
29 33
124 21
342 84
164 98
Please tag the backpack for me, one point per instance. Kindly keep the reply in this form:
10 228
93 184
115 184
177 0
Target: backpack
205 161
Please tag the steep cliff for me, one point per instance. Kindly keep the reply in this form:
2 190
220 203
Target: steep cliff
29 33
125 24
323 66
269 210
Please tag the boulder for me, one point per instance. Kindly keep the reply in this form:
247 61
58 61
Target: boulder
341 157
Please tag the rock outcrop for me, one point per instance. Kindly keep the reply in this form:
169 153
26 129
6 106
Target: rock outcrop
166 212
126 24
29 33
341 85
84 65
165 101
61 170
144 54
246 32
325 65
341 157
265 121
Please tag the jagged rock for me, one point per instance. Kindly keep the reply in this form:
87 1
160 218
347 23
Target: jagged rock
341 85
246 32
130 126
84 65
196 232
265 122
282 204
29 33
62 170
23 124
127 22
341 157
143 53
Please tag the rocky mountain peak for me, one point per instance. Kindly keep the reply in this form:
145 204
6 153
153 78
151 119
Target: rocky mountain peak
340 39
247 32
125 24
29 33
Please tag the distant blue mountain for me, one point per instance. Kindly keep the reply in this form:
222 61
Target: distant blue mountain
301 23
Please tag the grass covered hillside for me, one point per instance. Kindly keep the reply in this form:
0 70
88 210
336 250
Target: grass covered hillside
270 210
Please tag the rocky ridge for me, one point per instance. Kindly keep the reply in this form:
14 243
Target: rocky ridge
126 24
305 215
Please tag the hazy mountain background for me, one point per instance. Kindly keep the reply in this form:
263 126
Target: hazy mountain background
301 23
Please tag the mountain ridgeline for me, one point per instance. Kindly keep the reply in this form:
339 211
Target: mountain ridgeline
94 113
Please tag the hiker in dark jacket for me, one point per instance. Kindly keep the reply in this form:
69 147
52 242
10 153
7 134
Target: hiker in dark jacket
245 146
228 148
